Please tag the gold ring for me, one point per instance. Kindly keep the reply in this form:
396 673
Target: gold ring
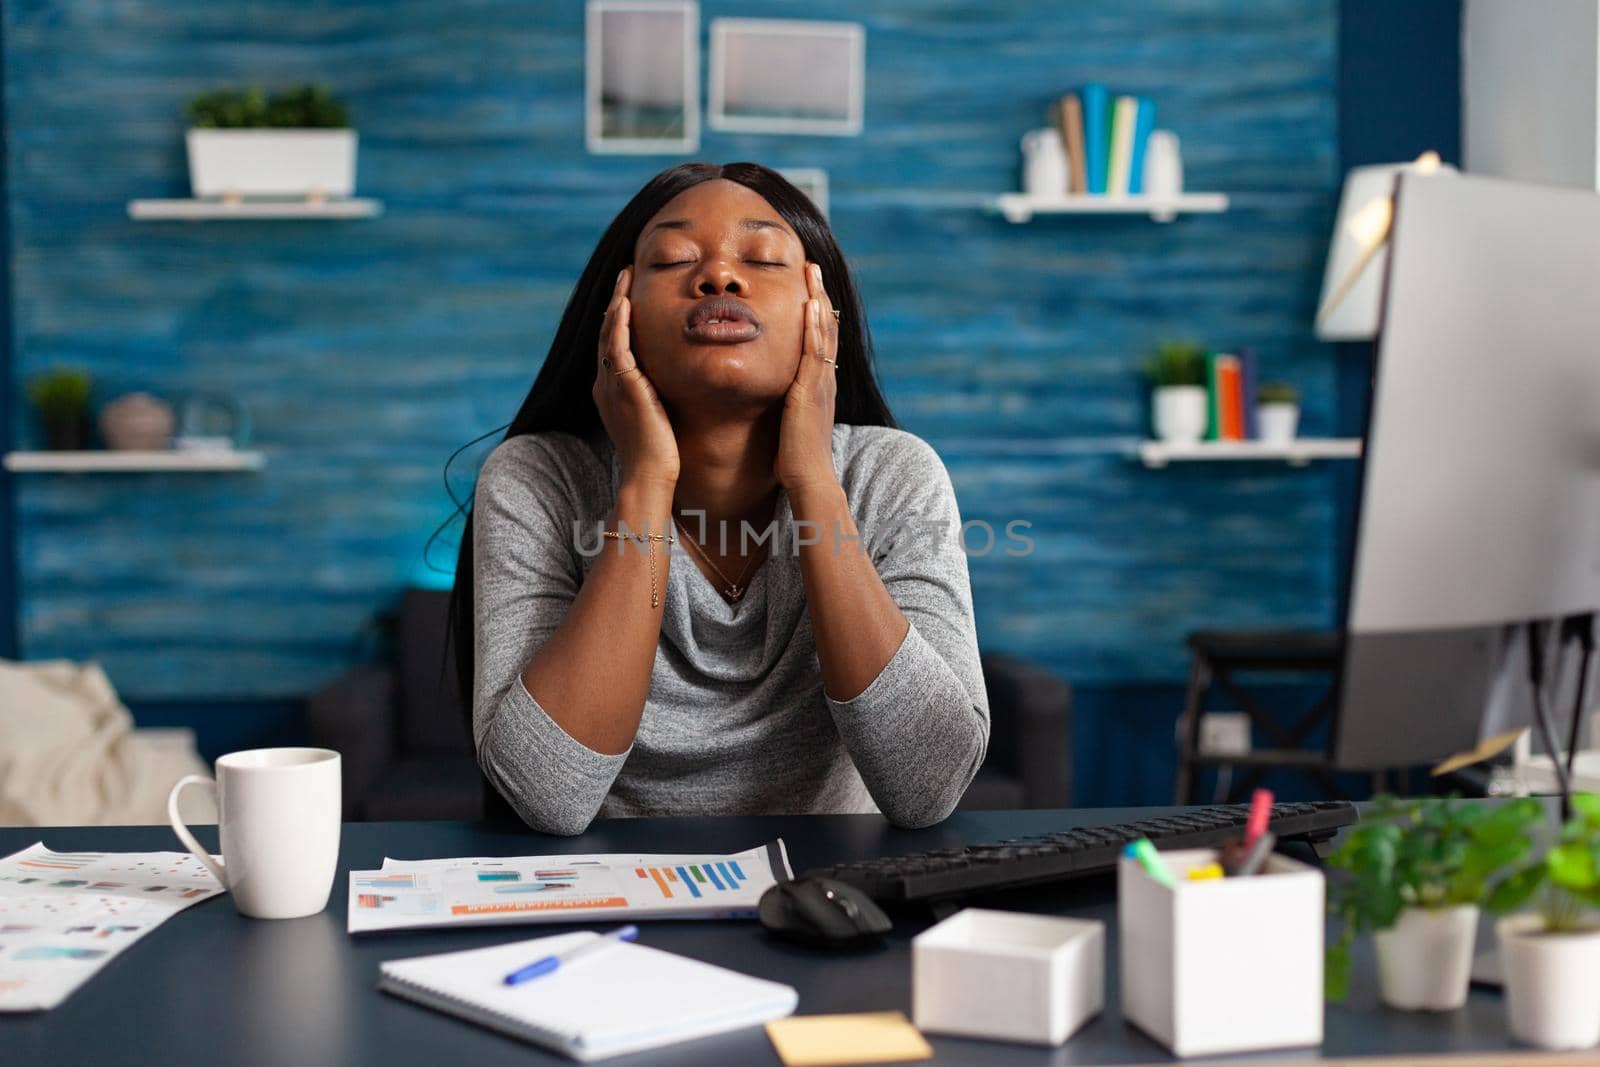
825 359
605 361
835 314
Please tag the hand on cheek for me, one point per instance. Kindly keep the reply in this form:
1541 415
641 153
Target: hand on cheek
805 446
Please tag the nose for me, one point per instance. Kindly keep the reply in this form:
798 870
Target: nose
719 277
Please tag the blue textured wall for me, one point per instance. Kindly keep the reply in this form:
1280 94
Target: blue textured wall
369 350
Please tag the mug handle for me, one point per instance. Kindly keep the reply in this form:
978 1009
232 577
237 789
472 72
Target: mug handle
215 866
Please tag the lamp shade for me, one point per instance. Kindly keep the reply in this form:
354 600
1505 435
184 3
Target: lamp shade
1359 252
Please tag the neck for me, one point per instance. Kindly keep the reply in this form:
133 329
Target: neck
725 472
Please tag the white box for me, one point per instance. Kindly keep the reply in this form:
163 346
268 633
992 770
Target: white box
1007 975
1226 965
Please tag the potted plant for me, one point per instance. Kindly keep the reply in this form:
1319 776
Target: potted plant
1277 412
1418 872
1177 374
296 143
1550 958
61 398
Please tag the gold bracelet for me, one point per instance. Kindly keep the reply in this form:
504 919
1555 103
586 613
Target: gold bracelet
648 540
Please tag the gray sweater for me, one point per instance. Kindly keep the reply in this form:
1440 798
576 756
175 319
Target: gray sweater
736 721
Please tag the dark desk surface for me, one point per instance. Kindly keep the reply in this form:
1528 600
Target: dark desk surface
211 987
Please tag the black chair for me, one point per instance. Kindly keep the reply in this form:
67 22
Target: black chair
407 752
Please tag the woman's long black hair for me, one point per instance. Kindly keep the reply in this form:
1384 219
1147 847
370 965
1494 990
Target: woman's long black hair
561 399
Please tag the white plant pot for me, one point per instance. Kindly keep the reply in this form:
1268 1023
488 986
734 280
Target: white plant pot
288 163
1277 423
1425 959
1179 413
1552 983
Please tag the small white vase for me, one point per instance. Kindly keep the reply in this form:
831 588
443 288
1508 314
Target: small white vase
1277 423
1425 959
1044 164
1552 983
1179 413
1163 165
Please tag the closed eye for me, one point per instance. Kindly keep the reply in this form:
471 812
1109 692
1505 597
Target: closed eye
685 262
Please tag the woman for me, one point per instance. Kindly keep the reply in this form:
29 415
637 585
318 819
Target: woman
633 653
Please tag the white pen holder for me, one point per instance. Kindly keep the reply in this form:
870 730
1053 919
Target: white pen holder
1223 965
1008 976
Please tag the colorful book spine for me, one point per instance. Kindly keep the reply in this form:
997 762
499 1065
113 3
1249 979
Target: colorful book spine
1230 399
1248 381
1096 131
1071 117
1141 133
1213 396
1124 114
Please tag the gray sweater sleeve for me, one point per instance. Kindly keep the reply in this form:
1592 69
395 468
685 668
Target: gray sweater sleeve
526 573
918 732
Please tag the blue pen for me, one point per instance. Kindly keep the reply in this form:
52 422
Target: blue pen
550 963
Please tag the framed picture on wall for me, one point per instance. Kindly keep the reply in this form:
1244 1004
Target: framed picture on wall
787 76
642 76
813 181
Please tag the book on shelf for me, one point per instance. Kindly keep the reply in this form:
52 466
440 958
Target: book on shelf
1248 381
1224 397
1070 115
1141 134
1124 113
1096 135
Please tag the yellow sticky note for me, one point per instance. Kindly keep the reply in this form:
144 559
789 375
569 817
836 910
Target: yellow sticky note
872 1037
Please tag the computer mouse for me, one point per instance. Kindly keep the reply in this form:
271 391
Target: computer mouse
822 912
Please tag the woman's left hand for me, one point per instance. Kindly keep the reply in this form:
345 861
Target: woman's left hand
805 439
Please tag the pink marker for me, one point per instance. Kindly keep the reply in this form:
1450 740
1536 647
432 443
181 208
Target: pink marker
1260 814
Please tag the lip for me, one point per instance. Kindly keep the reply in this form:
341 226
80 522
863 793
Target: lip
741 324
722 333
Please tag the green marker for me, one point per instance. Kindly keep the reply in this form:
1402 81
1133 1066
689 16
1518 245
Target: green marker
1143 851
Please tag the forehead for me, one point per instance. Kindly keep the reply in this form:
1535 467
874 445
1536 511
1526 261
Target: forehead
717 210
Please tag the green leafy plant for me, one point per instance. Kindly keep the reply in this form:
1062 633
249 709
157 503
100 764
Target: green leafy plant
300 107
1425 853
1566 878
61 393
1176 363
1277 393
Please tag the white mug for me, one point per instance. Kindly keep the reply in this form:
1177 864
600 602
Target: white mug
279 824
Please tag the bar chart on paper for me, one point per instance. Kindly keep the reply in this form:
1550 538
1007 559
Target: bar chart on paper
520 889
695 879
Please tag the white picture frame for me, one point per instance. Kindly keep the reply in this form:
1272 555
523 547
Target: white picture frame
813 181
795 76
641 96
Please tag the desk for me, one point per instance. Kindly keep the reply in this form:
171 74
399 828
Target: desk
212 987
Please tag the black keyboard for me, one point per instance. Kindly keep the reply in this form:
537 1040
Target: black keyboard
1082 850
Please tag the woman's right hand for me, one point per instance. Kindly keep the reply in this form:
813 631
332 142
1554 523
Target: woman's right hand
629 407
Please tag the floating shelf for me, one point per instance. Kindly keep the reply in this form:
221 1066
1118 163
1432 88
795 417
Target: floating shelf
254 209
114 461
1020 207
1297 453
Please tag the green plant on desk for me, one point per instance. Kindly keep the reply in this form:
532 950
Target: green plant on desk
1428 853
303 107
1568 874
1176 363
1277 393
62 393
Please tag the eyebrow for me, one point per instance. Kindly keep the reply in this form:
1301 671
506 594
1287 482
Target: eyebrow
744 224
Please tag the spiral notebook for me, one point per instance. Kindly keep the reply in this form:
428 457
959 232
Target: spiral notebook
625 998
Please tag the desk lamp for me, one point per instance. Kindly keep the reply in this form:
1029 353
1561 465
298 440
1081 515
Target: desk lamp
1352 284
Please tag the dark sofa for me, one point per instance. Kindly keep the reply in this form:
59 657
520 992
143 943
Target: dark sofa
406 754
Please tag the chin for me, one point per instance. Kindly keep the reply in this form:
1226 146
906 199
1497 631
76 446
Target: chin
729 371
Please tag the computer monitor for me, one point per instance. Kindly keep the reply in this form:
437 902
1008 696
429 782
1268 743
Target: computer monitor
1479 505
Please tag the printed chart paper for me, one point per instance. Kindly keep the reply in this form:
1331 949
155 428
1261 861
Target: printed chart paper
406 894
64 915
